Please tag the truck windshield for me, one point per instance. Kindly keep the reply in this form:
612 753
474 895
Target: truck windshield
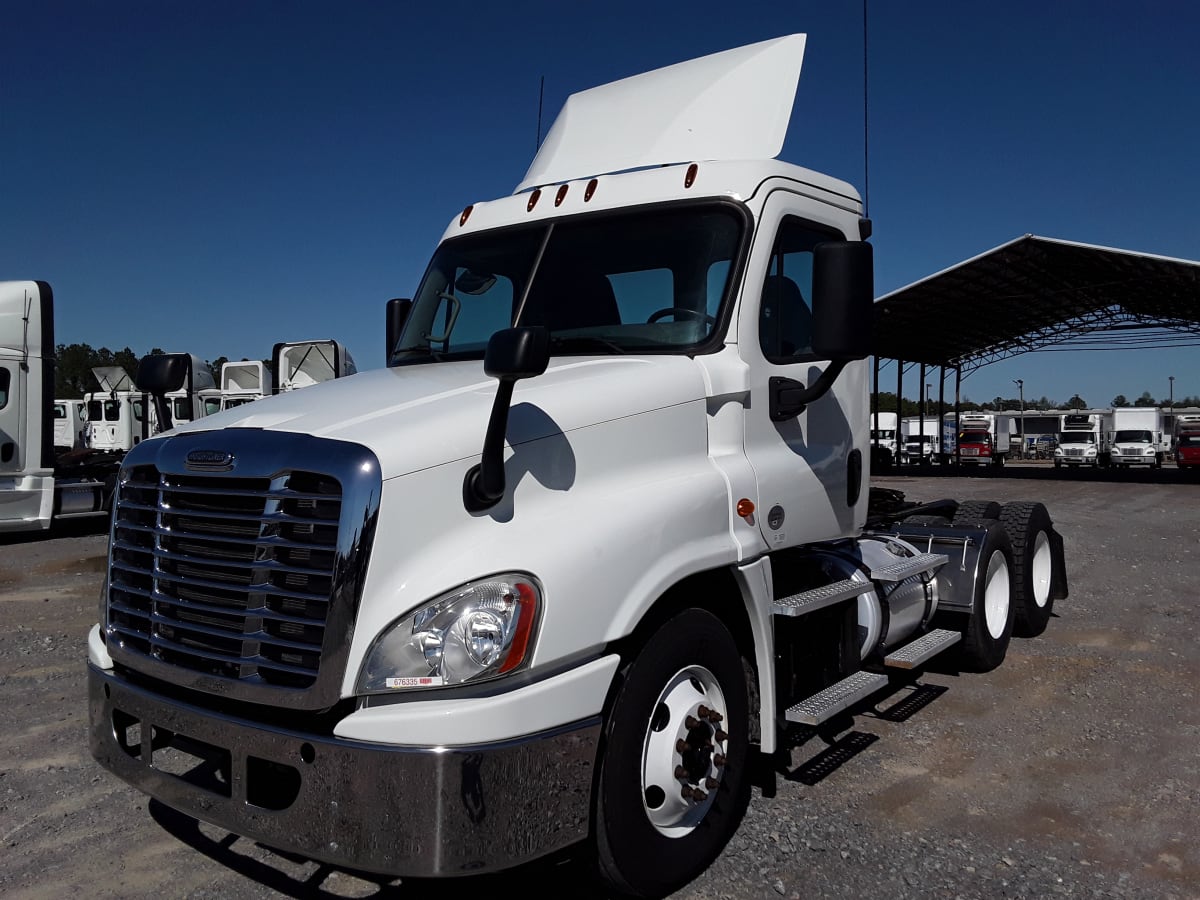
1133 437
975 437
646 281
1077 437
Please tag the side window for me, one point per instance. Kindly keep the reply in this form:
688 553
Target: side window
486 307
785 311
5 385
60 409
112 411
94 411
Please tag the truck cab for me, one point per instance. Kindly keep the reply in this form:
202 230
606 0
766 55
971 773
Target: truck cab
600 525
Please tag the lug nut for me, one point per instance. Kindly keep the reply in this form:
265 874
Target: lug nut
698 795
681 746
703 711
721 735
681 772
719 760
690 722
710 783
715 717
686 792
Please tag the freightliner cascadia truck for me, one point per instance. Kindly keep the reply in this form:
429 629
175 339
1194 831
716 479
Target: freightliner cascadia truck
598 538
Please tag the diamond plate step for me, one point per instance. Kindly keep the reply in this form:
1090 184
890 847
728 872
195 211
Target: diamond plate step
923 648
912 565
831 701
820 597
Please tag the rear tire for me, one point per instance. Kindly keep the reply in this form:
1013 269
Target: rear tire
974 510
1028 526
673 785
987 629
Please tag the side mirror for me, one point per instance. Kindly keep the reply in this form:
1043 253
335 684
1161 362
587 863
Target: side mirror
512 354
843 297
160 373
398 309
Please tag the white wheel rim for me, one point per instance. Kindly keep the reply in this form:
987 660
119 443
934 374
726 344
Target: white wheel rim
685 700
996 594
1042 566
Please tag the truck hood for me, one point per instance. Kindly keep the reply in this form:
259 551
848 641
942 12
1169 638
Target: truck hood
416 417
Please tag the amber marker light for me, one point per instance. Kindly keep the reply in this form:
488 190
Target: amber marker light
591 189
466 214
690 178
533 199
745 508
561 195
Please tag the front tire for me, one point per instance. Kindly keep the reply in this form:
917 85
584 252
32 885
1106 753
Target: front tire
674 775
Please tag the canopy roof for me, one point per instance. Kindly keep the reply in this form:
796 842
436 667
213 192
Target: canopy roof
1037 293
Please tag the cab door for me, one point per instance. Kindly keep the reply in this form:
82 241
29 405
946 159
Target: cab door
810 468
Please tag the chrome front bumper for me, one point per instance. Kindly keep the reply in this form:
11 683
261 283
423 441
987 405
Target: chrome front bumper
405 811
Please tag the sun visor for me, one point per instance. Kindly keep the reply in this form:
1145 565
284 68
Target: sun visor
735 104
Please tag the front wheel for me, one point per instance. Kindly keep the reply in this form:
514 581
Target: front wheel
674 780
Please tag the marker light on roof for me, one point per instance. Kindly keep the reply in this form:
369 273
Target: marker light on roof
591 189
533 199
561 195
466 214
690 177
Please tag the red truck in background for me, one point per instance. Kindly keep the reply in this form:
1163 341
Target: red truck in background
1187 442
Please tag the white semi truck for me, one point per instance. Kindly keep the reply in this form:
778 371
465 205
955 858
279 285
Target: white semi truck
597 537
1082 441
244 382
885 437
1135 436
920 439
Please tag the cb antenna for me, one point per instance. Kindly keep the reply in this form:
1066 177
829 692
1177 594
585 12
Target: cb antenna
541 94
866 164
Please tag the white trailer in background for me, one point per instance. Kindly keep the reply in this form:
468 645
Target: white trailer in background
1081 440
1135 436
70 421
304 363
884 436
244 382
918 446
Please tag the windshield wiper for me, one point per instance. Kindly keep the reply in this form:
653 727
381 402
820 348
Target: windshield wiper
584 342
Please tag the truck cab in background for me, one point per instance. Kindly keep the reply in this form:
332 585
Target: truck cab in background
885 441
1135 436
244 382
70 423
1187 442
1081 441
299 364
984 438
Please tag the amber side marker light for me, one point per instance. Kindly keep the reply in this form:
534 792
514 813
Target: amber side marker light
745 508
533 199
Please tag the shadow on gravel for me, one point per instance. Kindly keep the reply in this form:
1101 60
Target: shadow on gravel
1031 471
292 875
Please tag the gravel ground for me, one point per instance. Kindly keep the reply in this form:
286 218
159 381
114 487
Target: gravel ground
1072 770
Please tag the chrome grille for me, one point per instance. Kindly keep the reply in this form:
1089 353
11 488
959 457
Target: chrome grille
1072 451
230 577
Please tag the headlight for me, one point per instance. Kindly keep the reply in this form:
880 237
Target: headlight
479 631
1058 451
1091 451
1149 451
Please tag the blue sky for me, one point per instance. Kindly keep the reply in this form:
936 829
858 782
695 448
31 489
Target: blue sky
217 176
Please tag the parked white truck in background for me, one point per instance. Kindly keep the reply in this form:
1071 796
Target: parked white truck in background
1081 441
299 364
70 422
598 533
1135 436
885 436
919 446
244 382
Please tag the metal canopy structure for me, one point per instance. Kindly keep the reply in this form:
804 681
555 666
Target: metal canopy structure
1037 293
